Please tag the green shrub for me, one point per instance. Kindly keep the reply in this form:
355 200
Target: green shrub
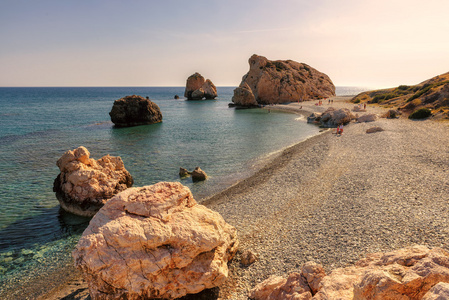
421 113
403 87
418 94
357 101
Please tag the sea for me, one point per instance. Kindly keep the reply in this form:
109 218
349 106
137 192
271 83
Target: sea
39 124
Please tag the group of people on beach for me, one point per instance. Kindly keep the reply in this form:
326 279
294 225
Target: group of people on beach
340 129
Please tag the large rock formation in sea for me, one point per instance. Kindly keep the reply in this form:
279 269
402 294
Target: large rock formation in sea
135 110
85 184
155 242
198 88
281 81
408 273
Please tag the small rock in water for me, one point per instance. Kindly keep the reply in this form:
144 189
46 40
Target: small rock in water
183 172
198 174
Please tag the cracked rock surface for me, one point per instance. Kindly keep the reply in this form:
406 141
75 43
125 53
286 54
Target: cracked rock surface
85 184
154 242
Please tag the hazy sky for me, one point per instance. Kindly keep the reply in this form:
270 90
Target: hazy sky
374 43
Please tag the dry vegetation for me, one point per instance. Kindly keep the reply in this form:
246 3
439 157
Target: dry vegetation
432 94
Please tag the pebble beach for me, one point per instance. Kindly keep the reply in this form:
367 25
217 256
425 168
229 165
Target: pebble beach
332 199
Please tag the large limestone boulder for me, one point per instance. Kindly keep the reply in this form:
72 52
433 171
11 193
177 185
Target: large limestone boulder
135 110
298 286
283 81
85 184
410 273
198 88
154 242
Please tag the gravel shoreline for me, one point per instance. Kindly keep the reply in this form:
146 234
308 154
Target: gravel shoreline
337 198
332 199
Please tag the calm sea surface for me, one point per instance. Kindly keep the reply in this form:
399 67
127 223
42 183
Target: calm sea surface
37 125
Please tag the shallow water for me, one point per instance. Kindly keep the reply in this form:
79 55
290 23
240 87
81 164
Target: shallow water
37 125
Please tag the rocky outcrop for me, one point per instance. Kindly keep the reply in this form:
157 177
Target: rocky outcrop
198 88
244 97
154 242
281 81
331 117
408 273
85 184
135 110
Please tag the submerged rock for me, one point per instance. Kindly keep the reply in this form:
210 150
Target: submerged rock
198 88
135 110
85 185
281 81
154 242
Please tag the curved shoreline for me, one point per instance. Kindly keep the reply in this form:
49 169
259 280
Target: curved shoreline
333 199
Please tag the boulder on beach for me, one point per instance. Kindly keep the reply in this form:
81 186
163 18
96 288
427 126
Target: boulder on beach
367 118
297 286
248 258
332 117
281 81
374 129
392 114
135 110
198 88
409 273
154 242
85 184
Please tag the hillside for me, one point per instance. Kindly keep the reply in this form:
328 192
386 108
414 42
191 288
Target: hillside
432 94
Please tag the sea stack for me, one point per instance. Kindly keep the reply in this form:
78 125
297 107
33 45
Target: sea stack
135 110
281 81
198 88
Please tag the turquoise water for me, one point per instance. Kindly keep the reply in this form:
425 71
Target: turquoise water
37 125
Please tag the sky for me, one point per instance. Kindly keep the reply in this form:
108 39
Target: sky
369 43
